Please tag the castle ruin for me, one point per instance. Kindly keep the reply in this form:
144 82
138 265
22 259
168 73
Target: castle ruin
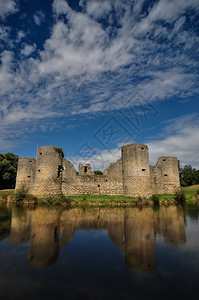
132 175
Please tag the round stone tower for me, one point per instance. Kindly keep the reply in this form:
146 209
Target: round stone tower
26 172
170 174
136 171
48 175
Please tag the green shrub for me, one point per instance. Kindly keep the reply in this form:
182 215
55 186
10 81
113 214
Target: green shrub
21 193
52 201
155 199
180 196
59 150
67 200
98 172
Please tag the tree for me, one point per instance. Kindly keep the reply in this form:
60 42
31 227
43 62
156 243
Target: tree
188 175
8 170
98 172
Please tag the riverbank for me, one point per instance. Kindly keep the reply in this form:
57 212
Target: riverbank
189 195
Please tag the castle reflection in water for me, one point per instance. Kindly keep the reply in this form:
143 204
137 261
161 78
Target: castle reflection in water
134 230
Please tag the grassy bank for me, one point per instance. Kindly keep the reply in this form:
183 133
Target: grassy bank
6 194
89 200
190 194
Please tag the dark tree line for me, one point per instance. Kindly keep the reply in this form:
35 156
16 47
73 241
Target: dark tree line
8 170
188 175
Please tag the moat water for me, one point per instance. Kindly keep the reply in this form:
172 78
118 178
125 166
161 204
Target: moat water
119 253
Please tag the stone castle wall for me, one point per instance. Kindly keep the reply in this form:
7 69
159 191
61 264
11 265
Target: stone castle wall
131 175
165 176
136 170
26 172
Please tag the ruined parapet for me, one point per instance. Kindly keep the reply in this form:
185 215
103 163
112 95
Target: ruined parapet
48 176
136 171
68 169
169 181
26 172
85 169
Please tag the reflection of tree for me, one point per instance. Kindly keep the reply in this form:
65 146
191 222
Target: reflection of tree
5 221
20 226
132 229
192 212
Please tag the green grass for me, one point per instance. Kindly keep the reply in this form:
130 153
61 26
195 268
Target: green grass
191 191
192 188
5 193
104 200
165 196
101 198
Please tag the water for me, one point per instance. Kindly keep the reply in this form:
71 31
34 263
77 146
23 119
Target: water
99 253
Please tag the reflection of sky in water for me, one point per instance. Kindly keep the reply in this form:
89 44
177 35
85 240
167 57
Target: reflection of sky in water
99 254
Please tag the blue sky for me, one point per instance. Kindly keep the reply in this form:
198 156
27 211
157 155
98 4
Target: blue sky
90 76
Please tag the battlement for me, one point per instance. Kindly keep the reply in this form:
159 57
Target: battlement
52 174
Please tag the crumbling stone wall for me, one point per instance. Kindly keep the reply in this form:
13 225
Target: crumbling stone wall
165 176
131 175
26 172
85 169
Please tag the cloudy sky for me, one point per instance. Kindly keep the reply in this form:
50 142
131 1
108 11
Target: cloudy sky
89 76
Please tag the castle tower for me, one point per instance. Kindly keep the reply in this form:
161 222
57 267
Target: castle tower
48 176
25 172
170 174
135 169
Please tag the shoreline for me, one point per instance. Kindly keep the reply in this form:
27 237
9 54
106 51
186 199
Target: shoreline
191 197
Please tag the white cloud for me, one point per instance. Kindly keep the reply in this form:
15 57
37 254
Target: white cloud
20 36
7 76
7 7
99 161
85 67
28 49
182 141
168 10
60 7
38 17
4 33
82 46
98 9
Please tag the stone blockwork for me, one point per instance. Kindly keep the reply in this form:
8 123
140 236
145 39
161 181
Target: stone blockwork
136 170
131 175
26 172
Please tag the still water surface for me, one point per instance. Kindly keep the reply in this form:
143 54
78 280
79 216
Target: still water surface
97 253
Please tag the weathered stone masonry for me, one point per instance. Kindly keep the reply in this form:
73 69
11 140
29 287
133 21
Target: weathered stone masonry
52 174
